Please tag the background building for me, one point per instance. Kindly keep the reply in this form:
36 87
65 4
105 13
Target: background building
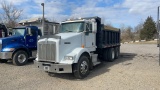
48 26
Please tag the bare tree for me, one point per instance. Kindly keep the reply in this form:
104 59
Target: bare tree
126 34
10 14
137 30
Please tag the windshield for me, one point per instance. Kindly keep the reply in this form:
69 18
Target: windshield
72 27
18 31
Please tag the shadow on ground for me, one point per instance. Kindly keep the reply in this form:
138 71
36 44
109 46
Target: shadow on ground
96 71
101 68
9 62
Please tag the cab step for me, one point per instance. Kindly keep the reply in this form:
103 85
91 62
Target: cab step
96 63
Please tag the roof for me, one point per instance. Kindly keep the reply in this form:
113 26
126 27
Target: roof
67 21
26 26
31 20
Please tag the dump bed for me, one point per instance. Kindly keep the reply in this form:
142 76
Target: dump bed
111 36
108 37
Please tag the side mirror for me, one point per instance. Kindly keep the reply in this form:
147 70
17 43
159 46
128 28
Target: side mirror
38 37
86 32
3 34
29 31
94 27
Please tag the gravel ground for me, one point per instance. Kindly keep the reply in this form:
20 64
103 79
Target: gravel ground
136 69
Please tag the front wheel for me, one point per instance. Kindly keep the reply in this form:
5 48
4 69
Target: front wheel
81 69
20 58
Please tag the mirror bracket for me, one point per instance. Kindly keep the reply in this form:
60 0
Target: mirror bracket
29 31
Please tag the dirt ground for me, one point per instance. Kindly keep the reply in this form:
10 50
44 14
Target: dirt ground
136 69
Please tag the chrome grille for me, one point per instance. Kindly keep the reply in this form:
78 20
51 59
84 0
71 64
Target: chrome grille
46 52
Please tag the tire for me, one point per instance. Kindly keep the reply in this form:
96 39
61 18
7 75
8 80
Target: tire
81 69
111 55
3 60
105 55
20 58
117 52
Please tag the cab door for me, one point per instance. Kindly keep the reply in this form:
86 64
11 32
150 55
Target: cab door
31 40
90 37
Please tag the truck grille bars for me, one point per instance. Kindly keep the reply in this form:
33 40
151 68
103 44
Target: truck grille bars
47 52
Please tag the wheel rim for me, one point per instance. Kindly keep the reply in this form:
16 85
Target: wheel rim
84 67
113 54
21 58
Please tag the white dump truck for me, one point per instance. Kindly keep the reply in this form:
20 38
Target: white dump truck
79 45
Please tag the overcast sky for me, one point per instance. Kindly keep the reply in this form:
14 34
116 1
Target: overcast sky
115 12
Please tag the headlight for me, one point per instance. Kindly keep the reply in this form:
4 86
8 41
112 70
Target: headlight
68 58
8 49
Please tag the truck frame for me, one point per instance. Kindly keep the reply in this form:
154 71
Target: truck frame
80 45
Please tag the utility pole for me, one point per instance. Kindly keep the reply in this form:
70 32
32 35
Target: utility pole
158 33
43 19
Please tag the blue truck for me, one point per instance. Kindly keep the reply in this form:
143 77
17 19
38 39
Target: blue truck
21 46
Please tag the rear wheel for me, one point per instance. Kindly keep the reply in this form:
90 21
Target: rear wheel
117 52
111 55
20 58
81 69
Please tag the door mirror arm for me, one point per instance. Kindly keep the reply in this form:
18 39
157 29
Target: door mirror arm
29 31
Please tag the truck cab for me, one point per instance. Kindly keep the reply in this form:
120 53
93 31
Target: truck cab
77 47
20 46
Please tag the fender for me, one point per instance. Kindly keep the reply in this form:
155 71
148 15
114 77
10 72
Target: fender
77 52
16 46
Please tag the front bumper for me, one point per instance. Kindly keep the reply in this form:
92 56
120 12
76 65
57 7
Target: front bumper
55 68
6 55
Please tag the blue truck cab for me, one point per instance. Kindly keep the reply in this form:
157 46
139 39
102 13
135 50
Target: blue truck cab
21 46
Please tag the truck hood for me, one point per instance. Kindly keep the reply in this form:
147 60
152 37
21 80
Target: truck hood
12 39
69 42
68 35
64 45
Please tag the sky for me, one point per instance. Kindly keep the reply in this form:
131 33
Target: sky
113 12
